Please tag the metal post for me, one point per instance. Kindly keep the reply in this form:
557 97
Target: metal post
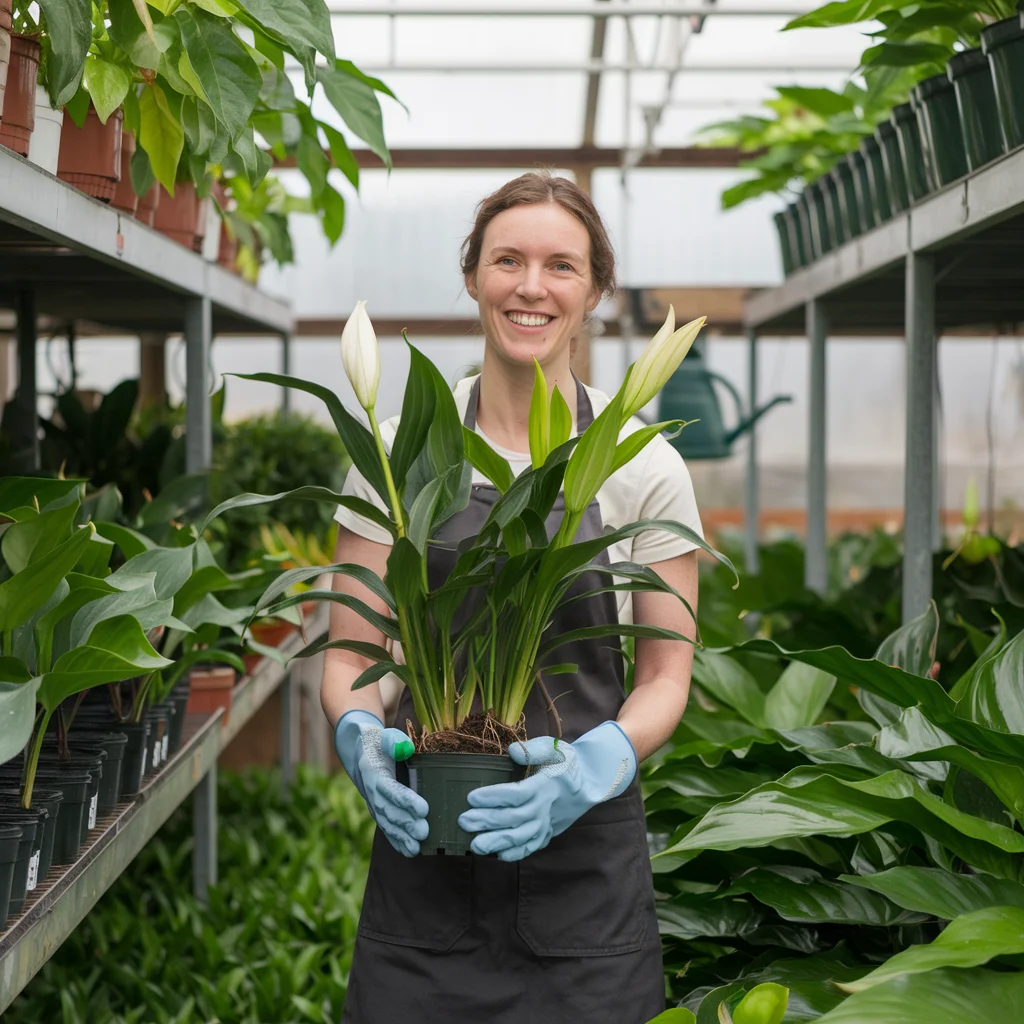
287 692
198 418
753 509
816 558
919 468
204 825
286 369
26 432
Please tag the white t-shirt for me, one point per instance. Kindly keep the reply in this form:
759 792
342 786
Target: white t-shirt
654 485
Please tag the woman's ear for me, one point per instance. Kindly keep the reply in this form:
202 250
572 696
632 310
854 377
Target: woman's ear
593 299
470 280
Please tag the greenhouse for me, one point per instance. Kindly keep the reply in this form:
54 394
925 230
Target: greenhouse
511 511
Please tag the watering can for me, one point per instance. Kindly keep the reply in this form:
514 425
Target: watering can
690 395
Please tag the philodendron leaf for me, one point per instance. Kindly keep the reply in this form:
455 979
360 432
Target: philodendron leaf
968 941
912 646
17 707
945 894
677 1015
763 1004
947 996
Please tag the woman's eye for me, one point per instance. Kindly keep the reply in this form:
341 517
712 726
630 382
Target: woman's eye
563 266
507 261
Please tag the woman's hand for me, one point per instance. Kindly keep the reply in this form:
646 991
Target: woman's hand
520 818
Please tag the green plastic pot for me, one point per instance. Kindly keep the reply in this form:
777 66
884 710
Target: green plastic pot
834 211
796 237
892 163
785 244
842 175
945 156
818 209
908 132
862 187
871 151
975 92
803 217
445 782
10 839
1003 44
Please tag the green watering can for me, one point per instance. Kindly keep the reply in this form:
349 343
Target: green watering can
690 395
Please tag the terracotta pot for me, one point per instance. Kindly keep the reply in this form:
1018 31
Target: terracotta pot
270 633
90 156
5 48
125 198
20 94
44 146
5 14
182 216
146 210
210 687
228 250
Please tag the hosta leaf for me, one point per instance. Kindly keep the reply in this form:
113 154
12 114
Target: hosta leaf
942 893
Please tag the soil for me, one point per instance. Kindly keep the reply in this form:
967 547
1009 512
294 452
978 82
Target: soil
478 734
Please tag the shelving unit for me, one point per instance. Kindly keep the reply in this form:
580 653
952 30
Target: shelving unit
955 260
70 257
59 903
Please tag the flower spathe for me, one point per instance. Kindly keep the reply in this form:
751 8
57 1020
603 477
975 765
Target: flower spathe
660 359
360 356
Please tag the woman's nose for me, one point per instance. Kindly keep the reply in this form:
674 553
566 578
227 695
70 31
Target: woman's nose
531 284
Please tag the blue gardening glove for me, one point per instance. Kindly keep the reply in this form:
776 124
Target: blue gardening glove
368 752
520 818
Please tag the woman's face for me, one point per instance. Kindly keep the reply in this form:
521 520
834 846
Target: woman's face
533 284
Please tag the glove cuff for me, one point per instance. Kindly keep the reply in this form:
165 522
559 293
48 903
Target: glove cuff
610 756
348 728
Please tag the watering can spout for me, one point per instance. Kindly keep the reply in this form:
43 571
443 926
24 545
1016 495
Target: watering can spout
746 424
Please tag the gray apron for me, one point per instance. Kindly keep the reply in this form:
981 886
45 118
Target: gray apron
566 935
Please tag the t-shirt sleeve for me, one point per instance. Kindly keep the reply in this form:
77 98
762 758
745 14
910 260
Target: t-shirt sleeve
666 492
357 486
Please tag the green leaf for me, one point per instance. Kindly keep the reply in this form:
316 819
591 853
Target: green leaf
967 941
107 85
131 542
842 12
540 418
725 679
172 566
993 694
118 649
357 104
631 446
68 35
765 1004
17 706
367 577
19 491
133 35
912 646
332 208
342 156
798 697
561 419
417 414
136 596
160 135
422 513
303 21
942 893
905 55
27 591
677 1015
230 78
483 457
37 535
823 102
592 459
313 164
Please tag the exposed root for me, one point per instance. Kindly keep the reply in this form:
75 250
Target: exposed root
478 734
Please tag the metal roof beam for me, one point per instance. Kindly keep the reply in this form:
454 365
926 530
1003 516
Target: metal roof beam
594 79
597 67
376 8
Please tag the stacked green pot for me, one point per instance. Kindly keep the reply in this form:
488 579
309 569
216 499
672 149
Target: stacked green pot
1003 44
973 84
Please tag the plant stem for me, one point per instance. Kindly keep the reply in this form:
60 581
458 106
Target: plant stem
396 504
33 758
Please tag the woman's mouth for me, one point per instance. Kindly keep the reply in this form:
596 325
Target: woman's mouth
535 320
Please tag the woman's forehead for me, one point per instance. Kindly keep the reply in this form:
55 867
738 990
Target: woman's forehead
538 229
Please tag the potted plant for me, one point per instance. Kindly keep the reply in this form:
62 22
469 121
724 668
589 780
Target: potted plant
22 70
5 49
1003 44
494 660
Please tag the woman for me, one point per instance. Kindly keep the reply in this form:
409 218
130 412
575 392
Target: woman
560 925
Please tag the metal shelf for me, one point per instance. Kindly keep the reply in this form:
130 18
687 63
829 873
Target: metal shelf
60 902
85 260
975 229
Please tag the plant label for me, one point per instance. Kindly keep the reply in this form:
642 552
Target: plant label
145 751
93 804
163 748
156 753
33 871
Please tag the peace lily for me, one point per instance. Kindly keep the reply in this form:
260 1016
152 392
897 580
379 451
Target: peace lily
360 356
651 372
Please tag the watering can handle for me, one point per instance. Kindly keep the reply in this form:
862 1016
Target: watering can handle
742 425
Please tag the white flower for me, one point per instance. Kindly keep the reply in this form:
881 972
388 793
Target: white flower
665 351
360 356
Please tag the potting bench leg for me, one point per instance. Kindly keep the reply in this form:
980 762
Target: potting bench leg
27 436
286 368
816 557
752 504
287 768
204 825
198 417
919 467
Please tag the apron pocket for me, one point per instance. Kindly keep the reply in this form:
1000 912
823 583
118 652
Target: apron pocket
582 895
415 901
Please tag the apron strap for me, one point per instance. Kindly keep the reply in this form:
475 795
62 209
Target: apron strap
584 408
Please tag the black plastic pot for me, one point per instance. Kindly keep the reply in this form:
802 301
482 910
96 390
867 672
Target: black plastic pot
179 696
975 92
871 151
818 208
50 799
796 237
136 757
834 211
113 743
88 759
908 132
803 217
892 162
785 245
445 781
945 157
10 839
862 187
27 859
1003 44
157 718
75 784
849 205
170 709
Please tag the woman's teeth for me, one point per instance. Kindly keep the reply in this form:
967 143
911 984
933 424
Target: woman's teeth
530 319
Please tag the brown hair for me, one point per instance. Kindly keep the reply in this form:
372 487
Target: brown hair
544 187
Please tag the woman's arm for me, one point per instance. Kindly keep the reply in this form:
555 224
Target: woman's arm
661 678
342 668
